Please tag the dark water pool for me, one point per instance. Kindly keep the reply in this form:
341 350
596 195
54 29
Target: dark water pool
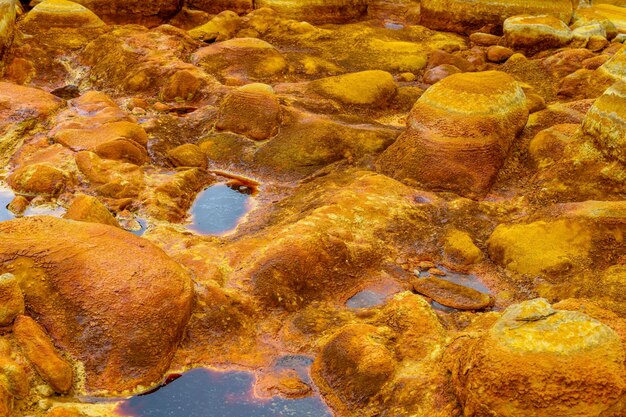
208 393
219 208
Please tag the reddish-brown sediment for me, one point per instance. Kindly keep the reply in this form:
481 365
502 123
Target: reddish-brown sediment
381 145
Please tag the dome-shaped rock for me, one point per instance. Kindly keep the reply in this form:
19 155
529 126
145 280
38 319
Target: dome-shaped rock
537 361
467 15
60 14
317 11
536 33
112 300
606 121
458 133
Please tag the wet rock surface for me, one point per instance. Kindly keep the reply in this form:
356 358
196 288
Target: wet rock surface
354 208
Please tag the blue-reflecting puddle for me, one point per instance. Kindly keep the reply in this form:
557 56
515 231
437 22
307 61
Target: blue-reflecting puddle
394 26
45 209
219 208
6 196
466 280
208 393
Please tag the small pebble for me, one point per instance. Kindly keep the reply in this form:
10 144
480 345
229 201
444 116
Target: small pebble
436 271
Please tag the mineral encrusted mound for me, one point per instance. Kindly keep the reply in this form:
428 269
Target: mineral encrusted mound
317 11
606 122
543 362
458 133
534 33
7 25
112 300
149 13
467 15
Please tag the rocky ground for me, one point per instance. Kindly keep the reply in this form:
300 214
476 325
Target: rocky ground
391 145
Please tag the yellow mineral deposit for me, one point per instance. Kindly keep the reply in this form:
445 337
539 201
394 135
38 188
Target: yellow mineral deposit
312 208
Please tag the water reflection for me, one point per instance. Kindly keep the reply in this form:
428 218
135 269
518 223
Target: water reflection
209 393
219 208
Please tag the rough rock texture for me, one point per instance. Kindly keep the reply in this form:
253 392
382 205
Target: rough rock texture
459 133
317 11
71 270
216 6
11 299
606 122
22 107
465 15
252 112
7 26
38 348
535 33
543 362
291 258
452 295
540 247
60 14
368 88
149 13
86 208
247 58
38 179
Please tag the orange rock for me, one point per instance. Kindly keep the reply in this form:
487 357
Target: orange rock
467 15
64 412
38 179
15 376
216 6
317 11
59 14
7 27
484 39
285 382
183 85
38 348
6 401
19 101
498 53
122 149
536 33
606 122
150 13
458 133
355 364
440 72
113 179
253 113
452 295
248 58
18 205
187 155
440 57
86 208
90 138
11 299
110 299
543 362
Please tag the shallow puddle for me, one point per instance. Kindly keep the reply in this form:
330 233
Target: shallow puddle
374 295
220 208
6 196
466 280
47 209
208 393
